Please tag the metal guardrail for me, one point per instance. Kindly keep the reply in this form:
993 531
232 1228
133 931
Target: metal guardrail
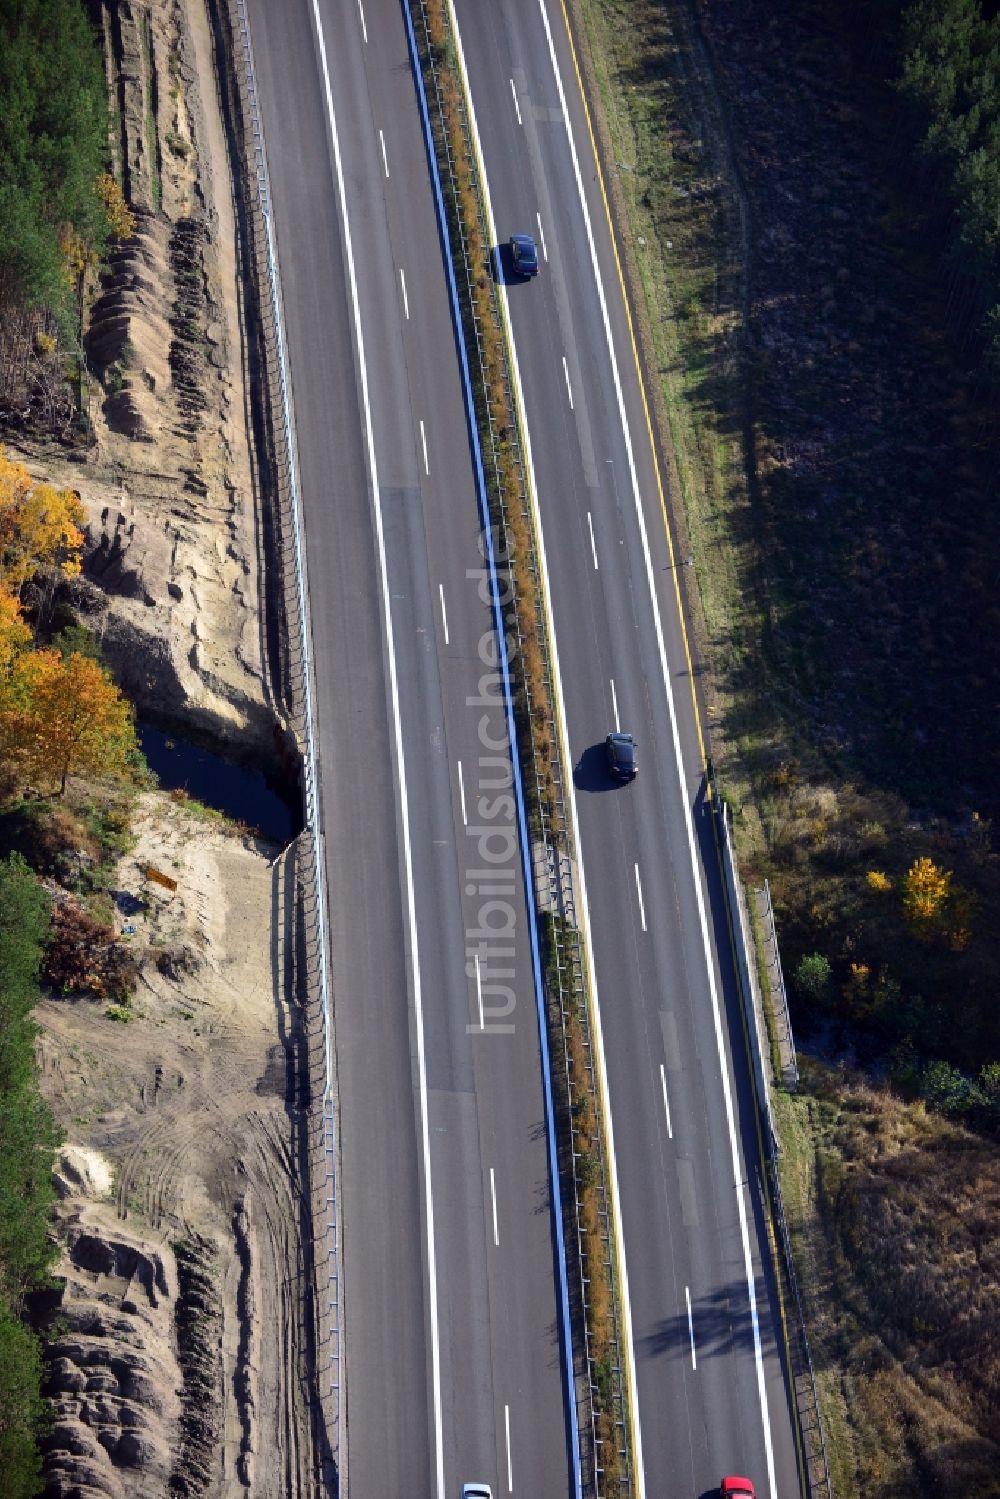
502 635
818 1478
554 835
783 1019
802 1372
315 903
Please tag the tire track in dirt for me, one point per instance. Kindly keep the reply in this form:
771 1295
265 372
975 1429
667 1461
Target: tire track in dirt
197 1106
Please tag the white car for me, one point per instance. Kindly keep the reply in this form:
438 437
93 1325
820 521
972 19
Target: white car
476 1491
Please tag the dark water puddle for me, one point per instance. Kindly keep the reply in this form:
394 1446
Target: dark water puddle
246 795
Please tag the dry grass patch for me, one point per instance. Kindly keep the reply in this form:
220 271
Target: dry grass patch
894 1216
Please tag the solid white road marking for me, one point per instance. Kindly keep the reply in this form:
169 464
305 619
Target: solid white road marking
694 1356
510 1470
642 908
479 994
569 388
541 235
593 544
614 700
444 614
493 1195
461 792
679 765
364 28
411 914
516 105
423 439
666 1102
385 159
406 300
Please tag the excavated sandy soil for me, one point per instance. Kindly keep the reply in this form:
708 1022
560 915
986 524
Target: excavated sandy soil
174 552
182 1365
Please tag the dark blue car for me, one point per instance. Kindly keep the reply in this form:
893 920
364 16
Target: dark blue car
523 255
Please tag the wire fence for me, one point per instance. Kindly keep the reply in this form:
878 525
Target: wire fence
779 996
816 1474
310 868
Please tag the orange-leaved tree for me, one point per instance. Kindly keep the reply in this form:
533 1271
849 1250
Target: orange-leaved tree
14 633
39 526
62 717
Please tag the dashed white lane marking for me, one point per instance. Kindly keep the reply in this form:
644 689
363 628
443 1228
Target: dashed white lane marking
642 908
614 700
423 439
364 28
404 809
385 159
479 994
569 388
699 897
406 300
510 1470
444 614
666 1102
541 236
493 1195
593 544
461 792
694 1356
517 107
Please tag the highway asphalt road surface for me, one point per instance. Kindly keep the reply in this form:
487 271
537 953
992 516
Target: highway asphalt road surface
711 1384
454 1361
454 1365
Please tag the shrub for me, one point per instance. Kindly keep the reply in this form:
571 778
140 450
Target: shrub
946 1089
812 977
83 957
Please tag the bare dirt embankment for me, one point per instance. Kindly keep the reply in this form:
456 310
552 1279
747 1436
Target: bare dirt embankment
175 534
180 1363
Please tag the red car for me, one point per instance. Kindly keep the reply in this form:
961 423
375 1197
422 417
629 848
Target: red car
737 1488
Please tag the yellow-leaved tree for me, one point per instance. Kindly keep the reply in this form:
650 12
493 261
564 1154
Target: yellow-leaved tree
62 717
926 894
39 526
121 219
78 254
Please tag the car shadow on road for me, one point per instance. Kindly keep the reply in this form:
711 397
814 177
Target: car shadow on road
502 267
590 773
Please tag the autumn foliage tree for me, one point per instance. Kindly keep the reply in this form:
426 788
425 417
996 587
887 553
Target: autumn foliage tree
926 895
61 717
60 714
40 526
14 633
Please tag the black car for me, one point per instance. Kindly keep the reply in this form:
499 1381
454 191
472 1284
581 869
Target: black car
523 255
622 762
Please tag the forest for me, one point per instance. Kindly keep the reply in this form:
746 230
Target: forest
950 81
901 886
